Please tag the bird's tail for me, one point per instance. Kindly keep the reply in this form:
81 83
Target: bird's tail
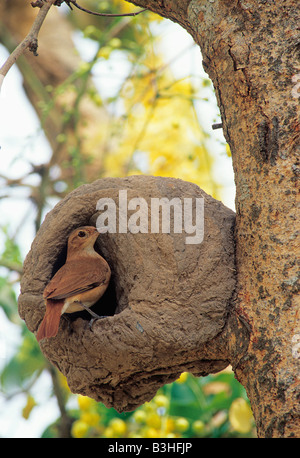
49 325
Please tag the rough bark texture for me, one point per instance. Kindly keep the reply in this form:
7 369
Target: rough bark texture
250 50
169 302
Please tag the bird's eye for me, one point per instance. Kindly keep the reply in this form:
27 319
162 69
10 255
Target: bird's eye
81 234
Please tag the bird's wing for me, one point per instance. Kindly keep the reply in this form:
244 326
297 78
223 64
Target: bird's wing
77 276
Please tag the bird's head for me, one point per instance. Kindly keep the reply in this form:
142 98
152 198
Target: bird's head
83 239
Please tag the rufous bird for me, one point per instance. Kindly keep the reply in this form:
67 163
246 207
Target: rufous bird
78 284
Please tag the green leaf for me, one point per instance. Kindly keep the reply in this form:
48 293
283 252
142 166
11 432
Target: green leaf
11 250
27 362
8 300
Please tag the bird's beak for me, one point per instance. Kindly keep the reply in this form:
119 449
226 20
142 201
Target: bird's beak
96 234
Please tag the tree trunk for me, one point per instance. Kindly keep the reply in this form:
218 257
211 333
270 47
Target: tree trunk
250 50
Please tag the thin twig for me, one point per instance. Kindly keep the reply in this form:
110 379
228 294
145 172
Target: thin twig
30 41
11 265
25 390
73 2
65 420
218 125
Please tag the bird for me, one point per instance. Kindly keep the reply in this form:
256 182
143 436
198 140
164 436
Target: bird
78 284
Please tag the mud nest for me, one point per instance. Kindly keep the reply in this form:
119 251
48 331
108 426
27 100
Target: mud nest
166 305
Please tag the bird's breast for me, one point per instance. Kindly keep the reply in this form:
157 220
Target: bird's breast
88 298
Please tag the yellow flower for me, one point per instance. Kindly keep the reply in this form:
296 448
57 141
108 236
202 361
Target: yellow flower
182 378
161 400
153 420
115 42
105 52
227 148
108 432
149 407
84 402
125 7
91 418
181 424
151 433
240 416
64 383
171 436
118 426
79 429
140 416
169 425
28 407
198 426
133 435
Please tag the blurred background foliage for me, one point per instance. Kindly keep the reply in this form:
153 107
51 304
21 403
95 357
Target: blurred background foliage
149 124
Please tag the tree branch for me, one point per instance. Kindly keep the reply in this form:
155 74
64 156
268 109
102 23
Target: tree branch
68 2
30 41
13 266
65 420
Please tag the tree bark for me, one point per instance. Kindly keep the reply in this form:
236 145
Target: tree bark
250 50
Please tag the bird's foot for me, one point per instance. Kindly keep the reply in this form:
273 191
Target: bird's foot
94 315
95 319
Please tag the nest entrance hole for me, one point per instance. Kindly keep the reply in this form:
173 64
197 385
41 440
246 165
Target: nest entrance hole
105 306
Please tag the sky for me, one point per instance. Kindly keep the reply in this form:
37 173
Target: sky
19 126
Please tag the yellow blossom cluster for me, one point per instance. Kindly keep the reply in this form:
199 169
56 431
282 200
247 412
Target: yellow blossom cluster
156 419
